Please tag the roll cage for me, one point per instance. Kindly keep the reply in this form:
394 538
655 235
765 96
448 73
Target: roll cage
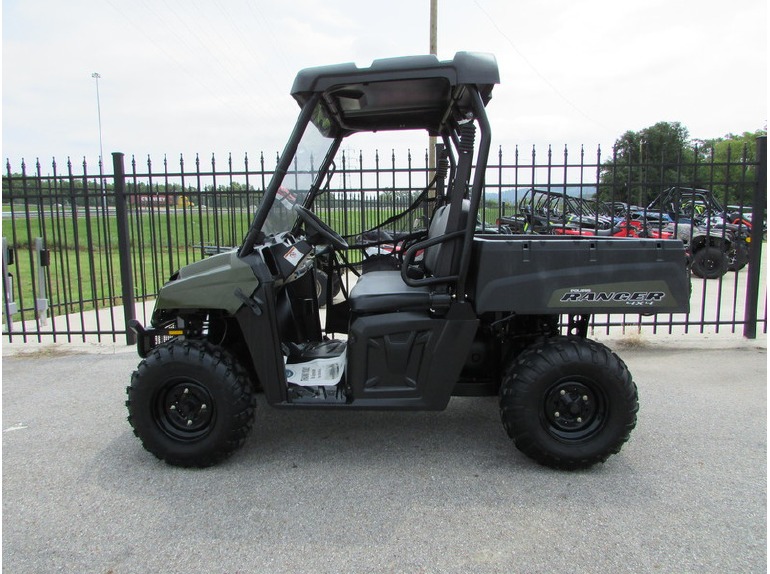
408 93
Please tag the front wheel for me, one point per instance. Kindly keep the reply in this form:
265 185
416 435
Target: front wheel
322 286
568 403
190 403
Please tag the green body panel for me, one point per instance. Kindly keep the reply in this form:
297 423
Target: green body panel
211 283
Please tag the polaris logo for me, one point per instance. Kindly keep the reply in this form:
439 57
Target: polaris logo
627 297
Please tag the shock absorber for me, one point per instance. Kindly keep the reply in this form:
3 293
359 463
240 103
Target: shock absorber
467 138
441 173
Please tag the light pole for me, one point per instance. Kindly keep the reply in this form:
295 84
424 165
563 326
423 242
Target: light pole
96 77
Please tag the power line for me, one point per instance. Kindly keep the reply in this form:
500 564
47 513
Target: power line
276 45
536 71
219 48
175 60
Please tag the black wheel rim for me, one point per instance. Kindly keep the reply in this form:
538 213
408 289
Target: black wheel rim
574 410
710 264
184 410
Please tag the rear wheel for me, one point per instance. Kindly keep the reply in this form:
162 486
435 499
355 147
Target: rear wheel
709 262
568 403
190 403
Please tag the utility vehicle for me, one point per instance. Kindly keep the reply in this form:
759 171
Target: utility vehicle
556 213
465 313
716 241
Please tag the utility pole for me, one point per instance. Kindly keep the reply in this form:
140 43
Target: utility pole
434 51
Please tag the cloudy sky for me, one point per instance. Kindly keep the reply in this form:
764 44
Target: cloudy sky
213 76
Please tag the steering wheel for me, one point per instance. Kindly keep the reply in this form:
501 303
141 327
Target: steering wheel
314 222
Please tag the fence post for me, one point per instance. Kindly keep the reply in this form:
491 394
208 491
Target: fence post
124 246
755 253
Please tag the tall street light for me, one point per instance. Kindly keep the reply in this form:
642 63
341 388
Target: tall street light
96 77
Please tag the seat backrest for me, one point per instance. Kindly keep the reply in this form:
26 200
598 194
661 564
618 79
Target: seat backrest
442 255
438 259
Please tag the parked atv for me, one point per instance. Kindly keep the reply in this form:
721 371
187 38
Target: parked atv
554 213
479 314
716 242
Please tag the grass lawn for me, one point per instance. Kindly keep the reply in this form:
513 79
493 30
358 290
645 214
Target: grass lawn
84 263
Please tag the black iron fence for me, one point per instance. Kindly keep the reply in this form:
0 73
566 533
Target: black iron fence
84 249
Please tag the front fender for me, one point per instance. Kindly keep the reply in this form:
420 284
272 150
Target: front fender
712 239
218 282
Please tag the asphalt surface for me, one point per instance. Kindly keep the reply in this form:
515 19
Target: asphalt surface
389 492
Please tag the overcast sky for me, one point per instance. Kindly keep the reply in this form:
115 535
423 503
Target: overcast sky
213 76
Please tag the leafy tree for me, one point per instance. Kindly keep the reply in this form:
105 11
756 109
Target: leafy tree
726 166
643 163
646 162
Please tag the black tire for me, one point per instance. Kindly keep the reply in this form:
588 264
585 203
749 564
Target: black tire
568 403
709 262
321 281
190 403
321 286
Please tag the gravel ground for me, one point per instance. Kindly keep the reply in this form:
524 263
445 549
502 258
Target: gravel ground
388 492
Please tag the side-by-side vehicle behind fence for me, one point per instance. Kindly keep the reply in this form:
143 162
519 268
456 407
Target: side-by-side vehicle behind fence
451 311
716 240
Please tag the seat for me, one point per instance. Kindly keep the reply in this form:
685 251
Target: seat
382 291
386 291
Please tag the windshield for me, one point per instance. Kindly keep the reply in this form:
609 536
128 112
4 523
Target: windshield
297 181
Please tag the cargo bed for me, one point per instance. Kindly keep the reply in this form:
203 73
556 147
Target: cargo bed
552 274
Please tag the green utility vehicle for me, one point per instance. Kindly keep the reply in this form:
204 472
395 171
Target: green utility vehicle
454 312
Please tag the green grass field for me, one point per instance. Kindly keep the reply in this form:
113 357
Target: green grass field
84 266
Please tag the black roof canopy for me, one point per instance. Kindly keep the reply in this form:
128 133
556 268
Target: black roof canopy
412 92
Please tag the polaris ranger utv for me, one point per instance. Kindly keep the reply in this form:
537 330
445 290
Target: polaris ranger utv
465 313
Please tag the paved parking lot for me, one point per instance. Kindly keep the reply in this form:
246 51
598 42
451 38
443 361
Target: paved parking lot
390 492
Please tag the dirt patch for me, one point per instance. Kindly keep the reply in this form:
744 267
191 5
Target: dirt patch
631 341
45 352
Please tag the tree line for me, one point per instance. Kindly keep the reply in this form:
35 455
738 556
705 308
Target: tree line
645 162
642 164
